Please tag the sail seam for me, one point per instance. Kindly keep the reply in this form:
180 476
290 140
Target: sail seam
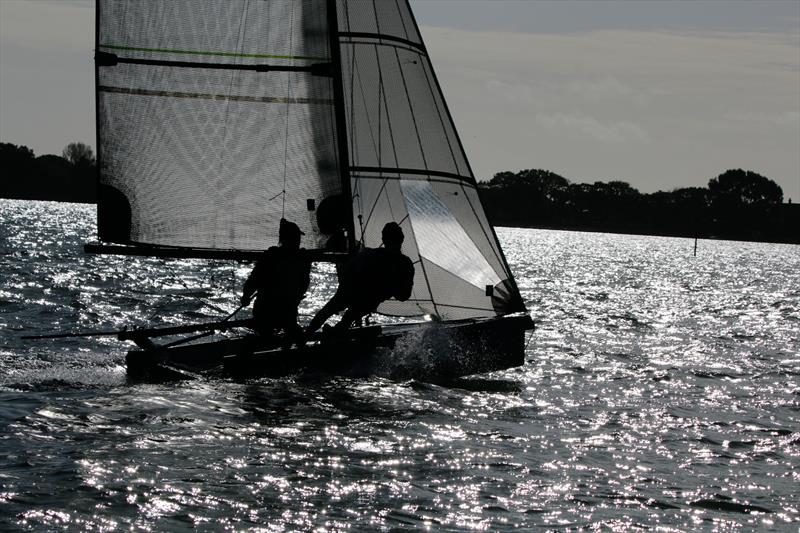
395 46
413 171
210 53
426 300
417 178
467 307
438 304
400 16
209 96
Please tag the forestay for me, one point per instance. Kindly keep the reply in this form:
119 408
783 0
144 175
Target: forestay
407 165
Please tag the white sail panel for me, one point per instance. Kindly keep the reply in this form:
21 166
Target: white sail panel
441 239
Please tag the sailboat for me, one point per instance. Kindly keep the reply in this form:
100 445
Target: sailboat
217 119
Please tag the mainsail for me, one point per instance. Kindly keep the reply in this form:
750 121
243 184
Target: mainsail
218 118
215 119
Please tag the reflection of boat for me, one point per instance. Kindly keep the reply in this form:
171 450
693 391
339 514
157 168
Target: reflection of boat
217 119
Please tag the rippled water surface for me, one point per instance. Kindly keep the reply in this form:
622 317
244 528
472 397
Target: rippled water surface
660 390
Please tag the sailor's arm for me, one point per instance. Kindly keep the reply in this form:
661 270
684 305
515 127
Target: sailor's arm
251 285
405 280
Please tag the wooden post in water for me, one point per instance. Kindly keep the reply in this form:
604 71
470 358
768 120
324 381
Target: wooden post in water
695 245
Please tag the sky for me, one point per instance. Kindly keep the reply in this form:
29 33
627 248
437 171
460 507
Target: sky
661 94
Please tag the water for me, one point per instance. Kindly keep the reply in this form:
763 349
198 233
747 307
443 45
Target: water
660 390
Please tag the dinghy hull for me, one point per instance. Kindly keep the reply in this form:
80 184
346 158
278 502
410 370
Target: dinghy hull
427 351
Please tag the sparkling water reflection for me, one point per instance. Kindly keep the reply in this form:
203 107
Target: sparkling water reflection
660 390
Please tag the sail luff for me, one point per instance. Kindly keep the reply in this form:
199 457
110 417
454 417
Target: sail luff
520 306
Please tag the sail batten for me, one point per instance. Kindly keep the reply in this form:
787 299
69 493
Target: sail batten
318 69
213 53
382 39
231 97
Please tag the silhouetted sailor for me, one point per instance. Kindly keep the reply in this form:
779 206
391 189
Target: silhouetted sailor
280 280
373 276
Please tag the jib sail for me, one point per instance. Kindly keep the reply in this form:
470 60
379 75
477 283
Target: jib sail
407 165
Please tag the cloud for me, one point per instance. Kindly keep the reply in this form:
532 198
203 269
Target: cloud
608 89
600 88
512 92
609 132
659 109
48 25
788 118
691 103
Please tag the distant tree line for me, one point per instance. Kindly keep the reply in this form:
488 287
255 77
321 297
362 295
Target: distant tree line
737 204
69 177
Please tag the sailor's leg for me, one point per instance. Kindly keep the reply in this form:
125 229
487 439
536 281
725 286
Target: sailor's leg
264 323
333 306
352 315
295 334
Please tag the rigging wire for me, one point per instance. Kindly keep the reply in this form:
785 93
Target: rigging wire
356 189
530 337
382 190
288 109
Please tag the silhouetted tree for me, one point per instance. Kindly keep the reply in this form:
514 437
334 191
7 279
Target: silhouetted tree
741 201
527 197
540 181
81 185
48 177
79 154
618 189
737 204
14 156
744 187
54 177
18 164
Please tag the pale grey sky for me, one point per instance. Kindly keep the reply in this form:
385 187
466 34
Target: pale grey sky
661 94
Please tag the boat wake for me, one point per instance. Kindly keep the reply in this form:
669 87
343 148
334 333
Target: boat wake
424 353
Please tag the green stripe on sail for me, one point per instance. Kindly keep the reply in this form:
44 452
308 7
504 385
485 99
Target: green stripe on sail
208 96
208 53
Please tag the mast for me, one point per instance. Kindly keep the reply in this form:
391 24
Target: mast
339 118
97 161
